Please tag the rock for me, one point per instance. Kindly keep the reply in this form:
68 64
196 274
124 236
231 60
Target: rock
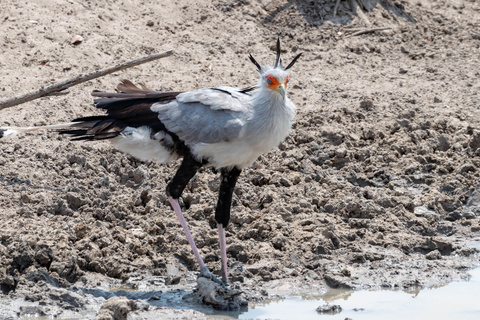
74 201
7 282
422 211
337 281
473 202
76 40
433 255
42 275
454 216
437 244
475 141
329 309
470 214
279 241
367 105
23 257
139 175
81 230
116 308
28 311
443 143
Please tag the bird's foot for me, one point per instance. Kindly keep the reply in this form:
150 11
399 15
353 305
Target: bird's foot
214 292
205 273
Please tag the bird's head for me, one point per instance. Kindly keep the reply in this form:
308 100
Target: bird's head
275 77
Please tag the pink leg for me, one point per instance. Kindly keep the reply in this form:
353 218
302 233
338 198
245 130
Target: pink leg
178 211
223 251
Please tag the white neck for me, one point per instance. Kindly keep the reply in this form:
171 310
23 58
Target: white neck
272 117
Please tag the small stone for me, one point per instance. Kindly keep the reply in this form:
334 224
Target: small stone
279 242
285 182
341 152
150 23
367 105
443 143
139 175
172 280
138 233
329 309
422 211
116 308
454 216
433 255
44 256
475 142
469 215
81 230
74 201
76 40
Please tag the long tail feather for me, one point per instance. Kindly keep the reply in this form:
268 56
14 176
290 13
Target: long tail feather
8 132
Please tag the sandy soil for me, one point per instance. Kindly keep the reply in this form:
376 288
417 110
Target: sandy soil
377 185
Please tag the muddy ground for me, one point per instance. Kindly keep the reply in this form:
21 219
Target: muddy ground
376 186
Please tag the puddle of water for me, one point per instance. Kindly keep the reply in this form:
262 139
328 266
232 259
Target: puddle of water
457 300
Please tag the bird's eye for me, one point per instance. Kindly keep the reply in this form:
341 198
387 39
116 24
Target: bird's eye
269 80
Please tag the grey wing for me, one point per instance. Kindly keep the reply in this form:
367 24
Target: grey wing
206 115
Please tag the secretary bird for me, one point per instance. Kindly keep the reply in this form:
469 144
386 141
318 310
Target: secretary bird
224 127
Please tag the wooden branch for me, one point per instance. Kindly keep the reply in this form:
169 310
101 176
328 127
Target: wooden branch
364 31
57 88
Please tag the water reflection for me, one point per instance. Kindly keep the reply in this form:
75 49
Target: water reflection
457 300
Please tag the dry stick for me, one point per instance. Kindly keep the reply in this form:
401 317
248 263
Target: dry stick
363 31
55 89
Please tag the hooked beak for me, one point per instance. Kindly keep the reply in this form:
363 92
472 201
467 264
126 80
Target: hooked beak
281 89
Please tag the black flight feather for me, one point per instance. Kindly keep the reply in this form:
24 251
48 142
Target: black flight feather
248 89
130 107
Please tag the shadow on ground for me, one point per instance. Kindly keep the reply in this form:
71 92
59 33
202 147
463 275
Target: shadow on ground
316 13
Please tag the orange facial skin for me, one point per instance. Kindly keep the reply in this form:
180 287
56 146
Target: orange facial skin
275 85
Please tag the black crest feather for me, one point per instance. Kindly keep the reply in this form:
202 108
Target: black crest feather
277 59
254 62
293 61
